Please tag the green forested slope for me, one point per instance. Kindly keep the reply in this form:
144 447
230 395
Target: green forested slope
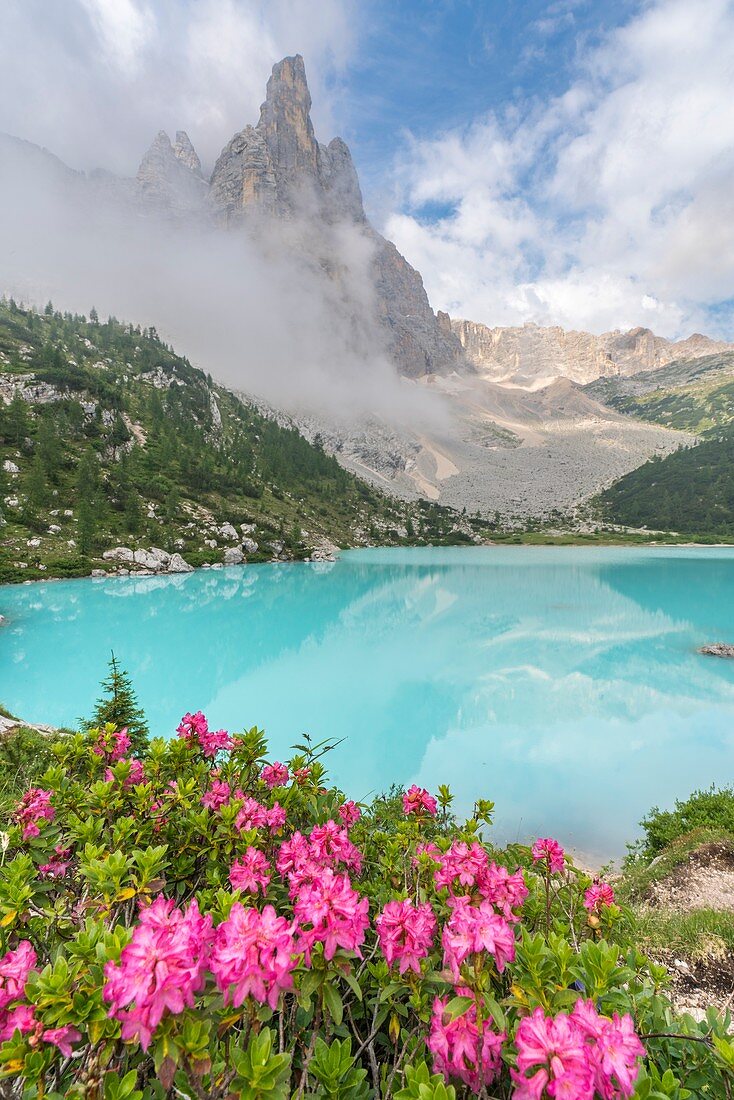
690 491
108 437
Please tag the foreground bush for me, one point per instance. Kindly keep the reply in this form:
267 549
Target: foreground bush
709 809
196 922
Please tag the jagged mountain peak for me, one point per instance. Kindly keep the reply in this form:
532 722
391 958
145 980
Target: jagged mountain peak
184 152
169 176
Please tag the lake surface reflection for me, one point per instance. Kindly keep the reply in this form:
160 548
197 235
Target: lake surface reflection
563 683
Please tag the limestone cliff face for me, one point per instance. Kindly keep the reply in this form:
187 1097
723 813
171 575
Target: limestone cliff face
169 177
532 356
278 169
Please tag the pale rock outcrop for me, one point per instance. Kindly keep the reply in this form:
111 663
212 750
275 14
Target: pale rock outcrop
227 531
10 467
178 565
249 545
233 556
531 355
119 553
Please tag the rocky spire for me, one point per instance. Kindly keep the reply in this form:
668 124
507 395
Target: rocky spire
167 178
285 123
184 152
278 169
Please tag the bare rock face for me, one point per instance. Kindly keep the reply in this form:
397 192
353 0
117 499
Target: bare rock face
279 169
532 356
184 152
169 177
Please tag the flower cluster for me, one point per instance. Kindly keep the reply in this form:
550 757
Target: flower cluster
218 795
254 954
135 776
599 896
577 1055
330 911
194 728
301 859
58 864
34 806
467 867
253 815
160 970
112 746
418 801
250 872
472 930
350 813
15 1013
274 775
406 933
463 1048
549 851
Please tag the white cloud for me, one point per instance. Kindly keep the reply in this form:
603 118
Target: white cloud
607 206
94 80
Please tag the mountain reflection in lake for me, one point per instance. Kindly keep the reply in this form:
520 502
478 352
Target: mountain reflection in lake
563 683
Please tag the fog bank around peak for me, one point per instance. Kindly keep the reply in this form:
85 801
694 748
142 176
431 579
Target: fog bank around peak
286 314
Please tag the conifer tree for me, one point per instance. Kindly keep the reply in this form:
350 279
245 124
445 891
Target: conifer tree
119 705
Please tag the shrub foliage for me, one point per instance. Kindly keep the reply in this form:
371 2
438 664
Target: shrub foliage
195 922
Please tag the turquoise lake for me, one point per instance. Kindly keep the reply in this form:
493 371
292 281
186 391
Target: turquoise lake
563 683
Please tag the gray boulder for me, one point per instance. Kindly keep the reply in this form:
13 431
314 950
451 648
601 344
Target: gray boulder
233 556
717 649
178 565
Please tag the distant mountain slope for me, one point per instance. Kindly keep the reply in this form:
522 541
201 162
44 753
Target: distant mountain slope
108 437
689 394
690 491
532 356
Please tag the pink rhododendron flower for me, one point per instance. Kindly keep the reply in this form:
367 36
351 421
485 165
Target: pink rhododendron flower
463 865
473 929
15 966
417 800
253 815
555 1050
301 775
58 864
330 845
112 746
598 896
194 729
275 817
218 795
613 1049
34 806
135 777
61 1037
350 813
549 850
214 741
250 872
460 1051
275 775
160 970
506 891
192 726
22 1019
577 1056
427 849
337 915
406 933
253 955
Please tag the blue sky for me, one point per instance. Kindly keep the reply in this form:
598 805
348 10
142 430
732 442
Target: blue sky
424 67
554 161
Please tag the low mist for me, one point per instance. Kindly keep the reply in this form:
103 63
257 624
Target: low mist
284 312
